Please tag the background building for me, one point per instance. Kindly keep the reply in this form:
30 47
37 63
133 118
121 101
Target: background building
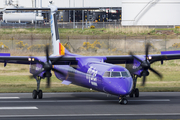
111 9
150 12
125 12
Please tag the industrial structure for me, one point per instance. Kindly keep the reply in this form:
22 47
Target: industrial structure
126 12
110 13
150 12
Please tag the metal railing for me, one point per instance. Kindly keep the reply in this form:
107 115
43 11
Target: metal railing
62 25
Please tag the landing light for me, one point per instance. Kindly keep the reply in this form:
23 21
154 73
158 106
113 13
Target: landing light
150 57
30 59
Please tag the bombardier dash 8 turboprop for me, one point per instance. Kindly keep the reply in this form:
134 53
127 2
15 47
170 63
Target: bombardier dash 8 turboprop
95 72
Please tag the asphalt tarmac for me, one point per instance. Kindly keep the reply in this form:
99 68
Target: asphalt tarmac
88 106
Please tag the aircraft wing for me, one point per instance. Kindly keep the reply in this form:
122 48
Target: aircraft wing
73 60
152 58
120 59
34 60
65 60
18 59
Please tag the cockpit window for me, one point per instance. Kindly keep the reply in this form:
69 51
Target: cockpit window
116 74
125 74
106 74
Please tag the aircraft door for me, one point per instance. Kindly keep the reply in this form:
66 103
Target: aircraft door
99 81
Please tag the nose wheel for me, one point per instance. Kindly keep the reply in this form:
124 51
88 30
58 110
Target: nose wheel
123 101
37 93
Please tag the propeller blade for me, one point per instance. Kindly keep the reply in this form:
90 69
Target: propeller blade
135 57
48 75
144 78
57 59
145 65
57 71
147 50
48 82
36 74
157 73
47 53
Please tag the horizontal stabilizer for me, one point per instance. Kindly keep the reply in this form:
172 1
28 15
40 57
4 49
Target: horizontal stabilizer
170 52
5 54
66 82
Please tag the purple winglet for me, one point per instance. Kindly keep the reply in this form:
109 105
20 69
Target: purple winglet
5 54
170 52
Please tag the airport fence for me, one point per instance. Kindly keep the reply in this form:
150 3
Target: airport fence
119 45
68 25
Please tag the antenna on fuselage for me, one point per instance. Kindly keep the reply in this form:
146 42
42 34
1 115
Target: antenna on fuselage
50 2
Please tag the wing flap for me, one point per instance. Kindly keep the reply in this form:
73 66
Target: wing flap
66 82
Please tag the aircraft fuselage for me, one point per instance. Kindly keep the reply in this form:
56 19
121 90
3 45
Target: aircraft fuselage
91 76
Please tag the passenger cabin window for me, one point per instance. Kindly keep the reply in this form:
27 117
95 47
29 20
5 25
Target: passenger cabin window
117 74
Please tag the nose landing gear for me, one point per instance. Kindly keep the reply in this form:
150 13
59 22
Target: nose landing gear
135 91
123 100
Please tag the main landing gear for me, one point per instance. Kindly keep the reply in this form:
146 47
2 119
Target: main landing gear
123 100
37 93
135 91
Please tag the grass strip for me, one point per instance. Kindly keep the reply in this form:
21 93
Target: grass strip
120 31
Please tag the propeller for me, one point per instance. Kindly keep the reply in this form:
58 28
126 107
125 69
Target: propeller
47 67
145 65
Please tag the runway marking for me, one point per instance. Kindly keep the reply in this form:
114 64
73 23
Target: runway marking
63 93
9 98
18 108
154 100
75 101
86 115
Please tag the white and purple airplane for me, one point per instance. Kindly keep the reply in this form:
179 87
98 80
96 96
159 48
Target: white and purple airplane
94 72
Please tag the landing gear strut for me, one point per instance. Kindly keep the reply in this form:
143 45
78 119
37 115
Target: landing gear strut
123 100
135 91
37 92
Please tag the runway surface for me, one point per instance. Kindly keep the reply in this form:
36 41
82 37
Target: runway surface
92 105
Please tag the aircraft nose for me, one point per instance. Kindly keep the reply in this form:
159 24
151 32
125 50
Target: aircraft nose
124 89
120 86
